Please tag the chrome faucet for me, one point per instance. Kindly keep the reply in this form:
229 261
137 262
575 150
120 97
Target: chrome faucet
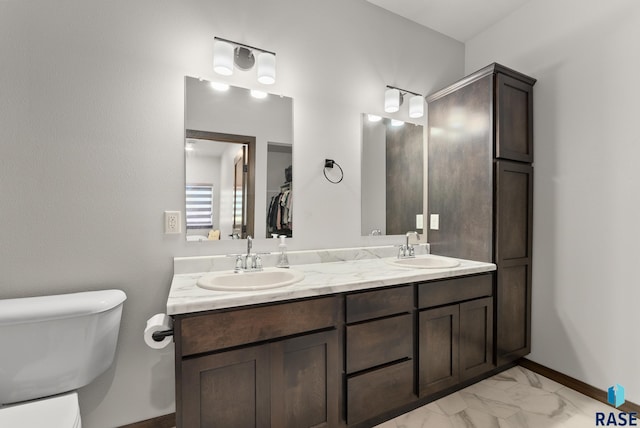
407 251
248 262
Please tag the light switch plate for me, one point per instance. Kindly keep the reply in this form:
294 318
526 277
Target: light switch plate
434 222
419 221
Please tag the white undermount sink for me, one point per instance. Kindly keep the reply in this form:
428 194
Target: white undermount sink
426 262
250 281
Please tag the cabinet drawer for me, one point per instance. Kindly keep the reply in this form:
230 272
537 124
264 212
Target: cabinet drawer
454 290
373 393
379 303
379 342
209 332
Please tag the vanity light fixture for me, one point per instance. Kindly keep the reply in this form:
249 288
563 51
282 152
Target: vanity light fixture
228 54
396 122
393 98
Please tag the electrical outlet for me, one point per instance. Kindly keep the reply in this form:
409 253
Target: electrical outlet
172 222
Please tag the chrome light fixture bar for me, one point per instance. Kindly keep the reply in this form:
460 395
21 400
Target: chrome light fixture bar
228 54
394 97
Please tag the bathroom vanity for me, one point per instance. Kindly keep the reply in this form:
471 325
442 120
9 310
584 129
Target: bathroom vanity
352 344
362 339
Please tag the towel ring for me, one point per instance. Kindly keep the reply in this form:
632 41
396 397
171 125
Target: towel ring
328 164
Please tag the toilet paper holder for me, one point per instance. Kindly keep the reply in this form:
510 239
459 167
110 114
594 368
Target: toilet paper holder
159 336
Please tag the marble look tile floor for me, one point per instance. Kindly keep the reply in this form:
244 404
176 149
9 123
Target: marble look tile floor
515 398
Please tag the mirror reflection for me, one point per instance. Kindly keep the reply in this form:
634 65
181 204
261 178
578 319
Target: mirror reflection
279 196
238 163
392 176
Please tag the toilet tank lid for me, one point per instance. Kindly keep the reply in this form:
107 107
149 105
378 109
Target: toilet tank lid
46 308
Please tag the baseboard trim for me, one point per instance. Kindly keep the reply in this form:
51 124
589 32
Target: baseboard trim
166 421
575 384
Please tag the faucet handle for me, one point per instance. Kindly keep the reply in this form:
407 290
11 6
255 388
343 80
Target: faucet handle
238 266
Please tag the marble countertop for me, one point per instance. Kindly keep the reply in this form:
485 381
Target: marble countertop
320 278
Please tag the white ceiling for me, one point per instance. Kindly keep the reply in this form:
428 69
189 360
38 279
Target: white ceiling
459 19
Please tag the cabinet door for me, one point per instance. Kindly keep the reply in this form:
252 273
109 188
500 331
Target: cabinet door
305 376
476 337
514 116
438 340
514 225
230 389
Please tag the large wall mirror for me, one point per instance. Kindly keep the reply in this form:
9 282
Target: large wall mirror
238 163
392 176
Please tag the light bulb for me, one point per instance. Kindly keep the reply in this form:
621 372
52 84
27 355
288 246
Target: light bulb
396 122
374 118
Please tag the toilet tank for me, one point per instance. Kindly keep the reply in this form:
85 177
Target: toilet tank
54 344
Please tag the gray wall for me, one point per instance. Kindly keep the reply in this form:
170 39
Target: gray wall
92 145
586 181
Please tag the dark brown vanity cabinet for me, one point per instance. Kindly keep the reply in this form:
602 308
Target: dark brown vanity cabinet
350 359
270 366
455 340
480 179
379 341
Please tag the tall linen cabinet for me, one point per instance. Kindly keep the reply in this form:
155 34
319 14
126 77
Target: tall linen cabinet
480 189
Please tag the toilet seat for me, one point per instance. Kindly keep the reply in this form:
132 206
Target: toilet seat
60 411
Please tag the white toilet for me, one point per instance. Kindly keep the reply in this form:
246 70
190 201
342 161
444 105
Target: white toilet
51 346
